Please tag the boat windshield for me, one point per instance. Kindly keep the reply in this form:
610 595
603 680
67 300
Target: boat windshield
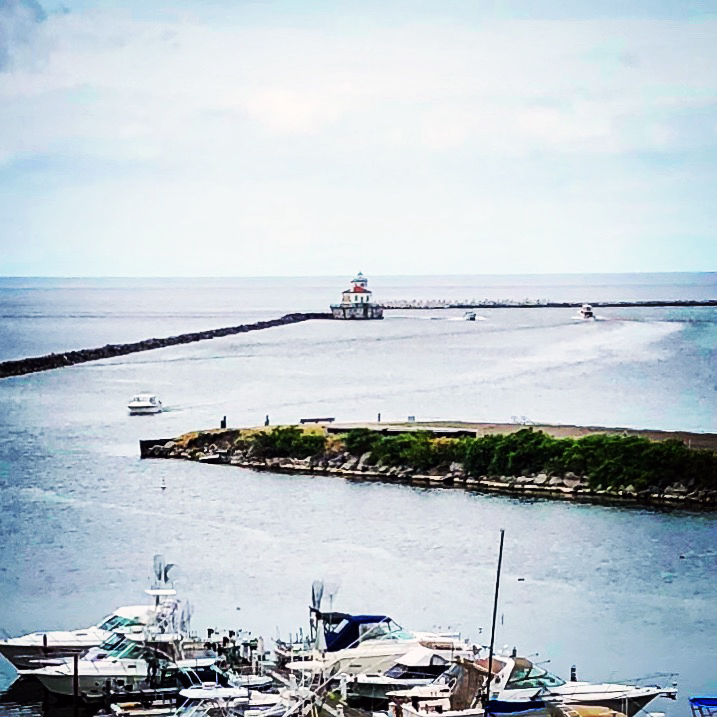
115 622
111 643
120 647
531 676
384 630
450 675
130 651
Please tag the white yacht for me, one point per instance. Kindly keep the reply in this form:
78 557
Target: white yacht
419 666
37 648
126 661
161 647
353 644
469 316
519 681
586 312
144 403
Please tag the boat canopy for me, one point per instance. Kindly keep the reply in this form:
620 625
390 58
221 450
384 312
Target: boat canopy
703 706
343 630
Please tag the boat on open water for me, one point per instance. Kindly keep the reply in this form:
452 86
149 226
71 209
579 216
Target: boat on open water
144 404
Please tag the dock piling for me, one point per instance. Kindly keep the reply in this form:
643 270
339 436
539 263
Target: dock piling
75 678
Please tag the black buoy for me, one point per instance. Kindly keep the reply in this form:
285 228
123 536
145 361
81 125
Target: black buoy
573 674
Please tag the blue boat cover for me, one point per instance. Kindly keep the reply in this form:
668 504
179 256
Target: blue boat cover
350 625
502 707
703 701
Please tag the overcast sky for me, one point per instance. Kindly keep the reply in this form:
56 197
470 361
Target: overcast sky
310 137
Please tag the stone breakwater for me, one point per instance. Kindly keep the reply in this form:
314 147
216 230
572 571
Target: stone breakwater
532 304
70 358
351 467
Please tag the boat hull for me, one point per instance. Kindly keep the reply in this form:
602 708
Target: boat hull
376 687
95 677
27 657
629 706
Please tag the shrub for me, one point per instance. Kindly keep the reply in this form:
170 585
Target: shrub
287 442
360 440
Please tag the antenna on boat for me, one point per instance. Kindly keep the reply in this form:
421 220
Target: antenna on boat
486 695
317 594
332 587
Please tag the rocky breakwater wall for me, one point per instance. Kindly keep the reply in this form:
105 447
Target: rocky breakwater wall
70 358
220 447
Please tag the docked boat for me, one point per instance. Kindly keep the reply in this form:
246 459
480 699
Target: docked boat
144 404
353 644
448 707
150 657
518 680
199 702
419 666
36 648
129 663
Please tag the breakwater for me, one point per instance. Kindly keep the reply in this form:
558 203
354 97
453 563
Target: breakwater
532 304
596 467
70 358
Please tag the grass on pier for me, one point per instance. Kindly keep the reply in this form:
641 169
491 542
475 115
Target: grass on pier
612 461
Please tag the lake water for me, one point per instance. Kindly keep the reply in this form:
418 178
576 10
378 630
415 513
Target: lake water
620 592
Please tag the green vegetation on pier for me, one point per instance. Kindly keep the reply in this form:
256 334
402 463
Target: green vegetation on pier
599 462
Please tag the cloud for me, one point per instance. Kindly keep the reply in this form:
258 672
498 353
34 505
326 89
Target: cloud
18 20
297 129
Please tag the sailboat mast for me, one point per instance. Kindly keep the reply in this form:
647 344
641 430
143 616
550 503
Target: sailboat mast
486 695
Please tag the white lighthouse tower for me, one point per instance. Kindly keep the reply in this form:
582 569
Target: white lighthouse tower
356 302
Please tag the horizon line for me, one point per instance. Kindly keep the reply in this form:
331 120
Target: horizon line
331 276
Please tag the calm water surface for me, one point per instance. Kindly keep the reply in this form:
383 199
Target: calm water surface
622 593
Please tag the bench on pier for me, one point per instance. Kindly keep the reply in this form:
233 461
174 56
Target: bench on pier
316 420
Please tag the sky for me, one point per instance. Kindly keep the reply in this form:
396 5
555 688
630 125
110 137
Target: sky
316 137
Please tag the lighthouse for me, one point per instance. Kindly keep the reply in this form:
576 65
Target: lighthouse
356 302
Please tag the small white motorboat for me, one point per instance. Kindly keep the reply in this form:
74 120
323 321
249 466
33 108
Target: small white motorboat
144 403
586 312
469 316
